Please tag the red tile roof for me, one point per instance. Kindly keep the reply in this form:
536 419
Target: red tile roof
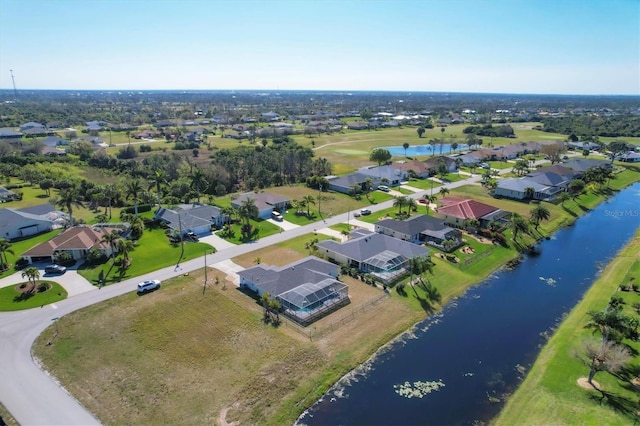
76 238
464 208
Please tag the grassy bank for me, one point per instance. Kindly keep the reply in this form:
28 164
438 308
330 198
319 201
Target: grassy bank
550 393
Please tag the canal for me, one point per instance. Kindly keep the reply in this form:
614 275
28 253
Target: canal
459 366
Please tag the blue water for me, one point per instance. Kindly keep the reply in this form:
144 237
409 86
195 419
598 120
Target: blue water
478 343
417 150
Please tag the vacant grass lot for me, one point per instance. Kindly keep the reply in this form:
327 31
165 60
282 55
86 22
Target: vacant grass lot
550 394
178 356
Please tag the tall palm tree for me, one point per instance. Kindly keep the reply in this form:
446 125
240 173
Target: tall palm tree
132 190
529 192
198 181
112 239
411 204
248 210
111 192
67 199
5 247
518 224
405 146
538 214
400 202
125 247
159 178
430 199
308 200
32 274
443 192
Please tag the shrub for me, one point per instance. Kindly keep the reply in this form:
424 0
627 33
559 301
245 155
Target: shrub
64 258
21 264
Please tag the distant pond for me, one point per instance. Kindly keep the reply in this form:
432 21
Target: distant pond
421 150
458 367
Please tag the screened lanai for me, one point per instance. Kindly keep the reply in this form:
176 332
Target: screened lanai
386 265
309 301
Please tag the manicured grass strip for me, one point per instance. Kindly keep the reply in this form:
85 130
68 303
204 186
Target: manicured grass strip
550 394
13 300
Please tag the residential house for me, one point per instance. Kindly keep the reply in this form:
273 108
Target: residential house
358 125
306 289
629 157
266 202
390 175
9 134
457 210
196 218
31 125
7 195
382 256
53 141
583 164
77 241
15 224
556 176
420 229
434 162
516 189
419 168
344 183
469 159
583 145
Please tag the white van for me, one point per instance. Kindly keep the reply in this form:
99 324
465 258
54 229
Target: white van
276 216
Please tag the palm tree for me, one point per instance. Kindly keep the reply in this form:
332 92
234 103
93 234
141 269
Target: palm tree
125 247
5 247
517 225
529 192
198 181
562 197
308 200
538 214
443 192
400 202
67 199
248 210
112 239
32 274
111 192
611 323
159 179
411 204
405 146
431 199
132 190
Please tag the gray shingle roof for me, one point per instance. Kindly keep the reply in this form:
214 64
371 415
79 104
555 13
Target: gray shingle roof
413 225
366 244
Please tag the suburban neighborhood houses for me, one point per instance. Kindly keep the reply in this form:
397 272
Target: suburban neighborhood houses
307 235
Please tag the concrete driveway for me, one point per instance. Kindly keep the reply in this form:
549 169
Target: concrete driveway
71 281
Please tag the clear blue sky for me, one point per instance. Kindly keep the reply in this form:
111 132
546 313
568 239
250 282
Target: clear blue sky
504 46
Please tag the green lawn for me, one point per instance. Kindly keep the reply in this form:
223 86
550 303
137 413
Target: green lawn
424 184
152 252
20 247
265 228
13 300
550 394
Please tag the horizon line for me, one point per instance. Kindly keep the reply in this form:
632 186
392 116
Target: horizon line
320 90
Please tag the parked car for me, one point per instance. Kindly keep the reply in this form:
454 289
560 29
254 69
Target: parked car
276 216
566 157
55 270
365 212
191 236
147 286
485 166
383 188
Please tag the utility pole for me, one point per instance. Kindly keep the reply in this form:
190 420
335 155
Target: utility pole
204 286
15 92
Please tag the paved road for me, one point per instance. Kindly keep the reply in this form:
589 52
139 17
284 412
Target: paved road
34 398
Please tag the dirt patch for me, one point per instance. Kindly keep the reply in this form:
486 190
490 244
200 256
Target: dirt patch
584 384
222 420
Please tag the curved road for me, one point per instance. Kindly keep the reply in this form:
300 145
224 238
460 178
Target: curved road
35 398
